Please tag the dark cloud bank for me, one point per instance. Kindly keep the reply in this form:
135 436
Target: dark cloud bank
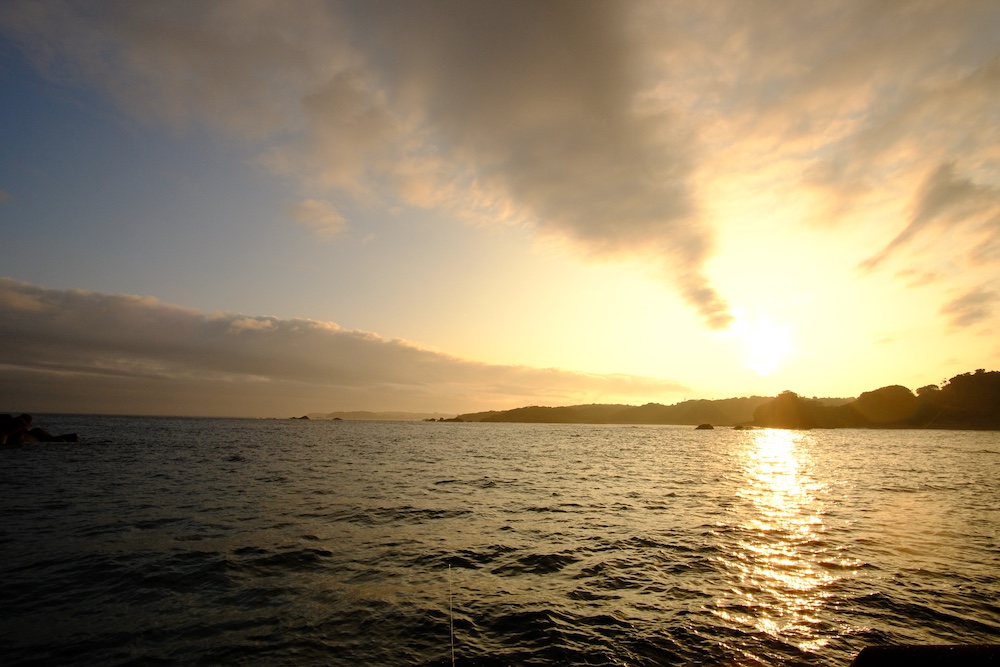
79 351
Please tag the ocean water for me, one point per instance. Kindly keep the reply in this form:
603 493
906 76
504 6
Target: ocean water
161 541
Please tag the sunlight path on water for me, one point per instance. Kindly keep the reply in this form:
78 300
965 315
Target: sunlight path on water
777 587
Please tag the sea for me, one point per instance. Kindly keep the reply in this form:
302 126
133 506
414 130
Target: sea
193 541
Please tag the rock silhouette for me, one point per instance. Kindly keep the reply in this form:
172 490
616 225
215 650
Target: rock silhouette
18 431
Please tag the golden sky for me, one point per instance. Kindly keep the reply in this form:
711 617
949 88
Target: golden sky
259 207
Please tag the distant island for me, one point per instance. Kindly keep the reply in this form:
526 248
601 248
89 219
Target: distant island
364 415
966 401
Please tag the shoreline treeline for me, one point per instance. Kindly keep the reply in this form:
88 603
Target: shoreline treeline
966 401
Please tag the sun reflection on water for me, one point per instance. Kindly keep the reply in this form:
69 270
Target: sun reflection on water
778 586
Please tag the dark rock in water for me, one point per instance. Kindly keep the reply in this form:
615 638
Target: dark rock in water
41 435
14 430
21 438
916 655
18 431
703 427
744 427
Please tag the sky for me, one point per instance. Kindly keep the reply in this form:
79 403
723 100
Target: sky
263 208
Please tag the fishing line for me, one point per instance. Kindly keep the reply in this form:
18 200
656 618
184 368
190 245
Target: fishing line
451 618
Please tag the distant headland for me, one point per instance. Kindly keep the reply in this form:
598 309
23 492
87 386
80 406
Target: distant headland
966 401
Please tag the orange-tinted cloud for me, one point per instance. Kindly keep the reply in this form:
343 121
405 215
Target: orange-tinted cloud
320 217
947 201
971 308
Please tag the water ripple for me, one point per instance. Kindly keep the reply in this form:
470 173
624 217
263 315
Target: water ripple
182 541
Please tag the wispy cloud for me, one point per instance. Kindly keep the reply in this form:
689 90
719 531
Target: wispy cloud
971 308
320 217
916 278
83 350
944 200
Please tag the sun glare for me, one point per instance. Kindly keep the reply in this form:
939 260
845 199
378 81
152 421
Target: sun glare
766 344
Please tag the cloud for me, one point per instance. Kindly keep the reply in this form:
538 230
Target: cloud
320 217
250 324
944 200
238 66
971 308
870 115
917 278
613 126
525 112
76 350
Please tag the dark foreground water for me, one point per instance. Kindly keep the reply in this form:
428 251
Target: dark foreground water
200 541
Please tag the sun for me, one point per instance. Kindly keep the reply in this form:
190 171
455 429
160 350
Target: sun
766 343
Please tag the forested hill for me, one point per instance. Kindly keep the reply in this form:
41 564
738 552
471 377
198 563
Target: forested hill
727 411
967 401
